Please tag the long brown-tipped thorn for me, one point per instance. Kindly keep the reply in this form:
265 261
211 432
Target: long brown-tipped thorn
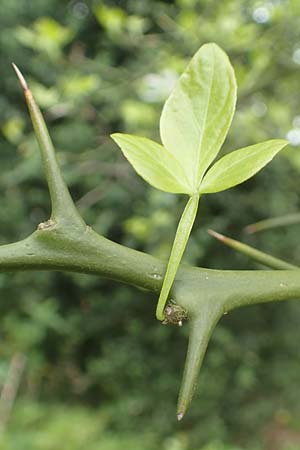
216 235
21 78
253 253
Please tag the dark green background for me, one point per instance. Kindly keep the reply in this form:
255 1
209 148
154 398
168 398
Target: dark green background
101 372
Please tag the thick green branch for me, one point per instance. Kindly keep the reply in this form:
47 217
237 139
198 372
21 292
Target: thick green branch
57 248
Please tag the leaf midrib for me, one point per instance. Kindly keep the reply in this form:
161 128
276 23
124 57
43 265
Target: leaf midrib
198 154
243 158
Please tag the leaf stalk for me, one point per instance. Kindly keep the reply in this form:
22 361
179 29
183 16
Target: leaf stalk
181 238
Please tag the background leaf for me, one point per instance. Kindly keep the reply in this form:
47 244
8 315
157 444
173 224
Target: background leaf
240 165
197 115
153 163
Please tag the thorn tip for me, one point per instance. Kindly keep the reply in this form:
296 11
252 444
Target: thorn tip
216 235
21 78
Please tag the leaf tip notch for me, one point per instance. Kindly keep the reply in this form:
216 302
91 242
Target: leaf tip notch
20 77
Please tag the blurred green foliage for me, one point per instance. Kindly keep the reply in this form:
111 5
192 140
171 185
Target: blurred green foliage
101 372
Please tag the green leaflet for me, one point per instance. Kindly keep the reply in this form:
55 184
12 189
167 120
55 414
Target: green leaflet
153 163
197 115
238 166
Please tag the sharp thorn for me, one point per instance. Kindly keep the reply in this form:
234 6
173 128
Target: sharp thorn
21 78
216 235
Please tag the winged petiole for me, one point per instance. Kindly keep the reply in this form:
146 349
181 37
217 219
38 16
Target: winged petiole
181 238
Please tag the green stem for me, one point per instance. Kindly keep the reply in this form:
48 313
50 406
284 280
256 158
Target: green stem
253 253
181 238
59 249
